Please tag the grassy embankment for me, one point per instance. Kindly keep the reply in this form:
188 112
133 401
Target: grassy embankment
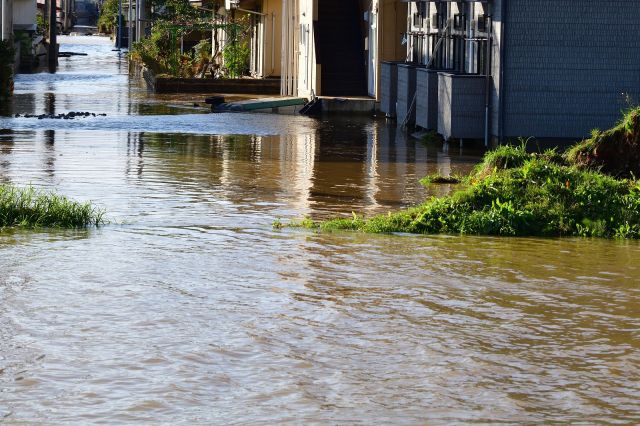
29 207
590 191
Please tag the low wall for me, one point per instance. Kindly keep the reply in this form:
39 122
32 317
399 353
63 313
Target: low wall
162 84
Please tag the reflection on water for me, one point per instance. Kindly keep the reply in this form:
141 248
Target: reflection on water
190 308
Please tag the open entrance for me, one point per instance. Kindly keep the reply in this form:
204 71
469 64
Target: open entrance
340 48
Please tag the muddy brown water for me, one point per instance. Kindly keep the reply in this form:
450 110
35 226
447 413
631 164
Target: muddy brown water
189 308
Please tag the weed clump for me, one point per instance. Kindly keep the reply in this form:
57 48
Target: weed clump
520 195
438 179
591 191
29 207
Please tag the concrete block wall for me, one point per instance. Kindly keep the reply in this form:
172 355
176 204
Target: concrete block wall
461 106
568 65
427 99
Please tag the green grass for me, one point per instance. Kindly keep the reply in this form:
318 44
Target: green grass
591 191
513 193
29 207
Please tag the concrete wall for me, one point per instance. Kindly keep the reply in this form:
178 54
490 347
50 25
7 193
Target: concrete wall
568 65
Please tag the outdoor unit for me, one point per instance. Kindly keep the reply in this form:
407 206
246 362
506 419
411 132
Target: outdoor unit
231 4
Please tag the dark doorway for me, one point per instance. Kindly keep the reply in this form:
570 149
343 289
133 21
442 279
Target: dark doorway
340 48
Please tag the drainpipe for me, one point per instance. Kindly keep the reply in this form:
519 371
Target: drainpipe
487 100
503 17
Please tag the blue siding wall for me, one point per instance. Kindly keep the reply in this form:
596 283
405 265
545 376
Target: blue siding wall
569 65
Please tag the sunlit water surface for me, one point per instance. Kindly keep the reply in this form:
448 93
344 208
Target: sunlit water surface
190 308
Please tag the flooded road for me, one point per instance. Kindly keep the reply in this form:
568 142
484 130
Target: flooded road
190 309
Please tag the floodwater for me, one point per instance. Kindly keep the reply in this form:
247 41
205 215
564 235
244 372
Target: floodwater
189 308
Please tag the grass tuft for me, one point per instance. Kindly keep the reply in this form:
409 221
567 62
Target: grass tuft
29 207
438 179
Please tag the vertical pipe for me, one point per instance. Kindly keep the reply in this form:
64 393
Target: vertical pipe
53 33
501 94
283 50
487 100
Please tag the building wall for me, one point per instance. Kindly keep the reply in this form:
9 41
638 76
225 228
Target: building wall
273 37
308 68
24 14
569 65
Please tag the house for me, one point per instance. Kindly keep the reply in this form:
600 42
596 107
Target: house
334 47
502 69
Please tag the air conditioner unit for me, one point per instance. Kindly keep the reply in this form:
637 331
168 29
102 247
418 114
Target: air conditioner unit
231 4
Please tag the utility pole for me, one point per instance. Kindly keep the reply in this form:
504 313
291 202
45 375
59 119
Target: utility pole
130 38
53 35
119 36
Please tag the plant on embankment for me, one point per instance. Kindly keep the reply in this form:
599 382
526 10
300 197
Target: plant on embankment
29 207
615 152
513 193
